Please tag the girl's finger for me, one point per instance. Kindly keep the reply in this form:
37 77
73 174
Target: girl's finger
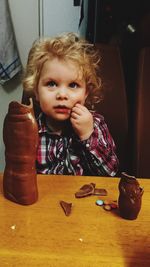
77 110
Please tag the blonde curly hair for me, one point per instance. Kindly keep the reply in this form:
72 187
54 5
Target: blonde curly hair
70 47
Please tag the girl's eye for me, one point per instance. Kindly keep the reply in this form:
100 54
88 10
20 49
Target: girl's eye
73 85
51 84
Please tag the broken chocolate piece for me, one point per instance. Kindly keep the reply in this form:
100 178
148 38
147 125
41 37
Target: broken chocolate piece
85 190
100 192
66 207
130 196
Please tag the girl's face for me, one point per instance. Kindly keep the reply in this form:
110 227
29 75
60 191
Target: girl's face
60 87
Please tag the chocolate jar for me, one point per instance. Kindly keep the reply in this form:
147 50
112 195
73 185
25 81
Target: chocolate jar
130 197
20 135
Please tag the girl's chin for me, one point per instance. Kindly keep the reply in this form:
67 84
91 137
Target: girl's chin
61 117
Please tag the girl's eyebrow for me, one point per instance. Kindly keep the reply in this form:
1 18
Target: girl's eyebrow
56 79
46 79
78 80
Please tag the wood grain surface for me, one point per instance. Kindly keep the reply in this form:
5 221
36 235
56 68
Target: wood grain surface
42 235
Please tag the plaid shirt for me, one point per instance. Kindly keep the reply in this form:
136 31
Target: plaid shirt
67 154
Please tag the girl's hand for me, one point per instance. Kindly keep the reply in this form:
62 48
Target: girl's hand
82 121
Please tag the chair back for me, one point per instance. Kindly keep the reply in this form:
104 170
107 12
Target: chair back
142 116
114 105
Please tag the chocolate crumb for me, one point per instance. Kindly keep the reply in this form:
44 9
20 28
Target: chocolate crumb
85 190
100 192
66 207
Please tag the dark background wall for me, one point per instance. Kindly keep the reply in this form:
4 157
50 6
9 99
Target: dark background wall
122 22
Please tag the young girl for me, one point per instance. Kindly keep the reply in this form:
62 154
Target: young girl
62 73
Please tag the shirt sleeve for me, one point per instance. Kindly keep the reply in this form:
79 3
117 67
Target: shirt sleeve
98 151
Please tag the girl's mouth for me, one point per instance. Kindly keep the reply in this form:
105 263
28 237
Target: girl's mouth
62 109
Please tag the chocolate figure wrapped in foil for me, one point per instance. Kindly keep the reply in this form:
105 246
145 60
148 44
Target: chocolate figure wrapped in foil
20 135
130 197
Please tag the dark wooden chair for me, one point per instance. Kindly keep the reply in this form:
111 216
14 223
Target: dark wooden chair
142 117
114 106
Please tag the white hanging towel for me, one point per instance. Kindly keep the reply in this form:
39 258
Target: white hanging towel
10 63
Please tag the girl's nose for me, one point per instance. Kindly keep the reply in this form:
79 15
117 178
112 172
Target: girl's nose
62 94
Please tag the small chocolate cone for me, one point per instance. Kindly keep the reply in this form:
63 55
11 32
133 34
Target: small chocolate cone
20 135
130 196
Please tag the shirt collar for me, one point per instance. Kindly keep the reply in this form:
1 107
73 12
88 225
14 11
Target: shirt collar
43 128
42 123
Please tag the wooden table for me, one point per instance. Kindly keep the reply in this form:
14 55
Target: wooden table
42 235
